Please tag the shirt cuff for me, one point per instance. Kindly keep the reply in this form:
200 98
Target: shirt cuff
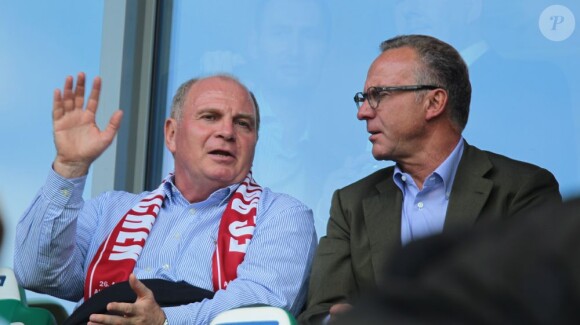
63 191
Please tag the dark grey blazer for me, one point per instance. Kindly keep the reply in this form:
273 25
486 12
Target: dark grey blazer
365 220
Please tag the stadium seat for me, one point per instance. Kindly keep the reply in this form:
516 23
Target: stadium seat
261 315
13 306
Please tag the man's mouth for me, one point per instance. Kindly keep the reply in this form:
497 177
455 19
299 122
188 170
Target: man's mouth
373 135
222 153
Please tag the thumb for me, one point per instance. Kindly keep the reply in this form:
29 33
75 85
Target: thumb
139 288
113 126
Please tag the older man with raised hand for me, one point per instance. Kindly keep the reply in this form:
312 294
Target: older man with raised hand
208 226
415 104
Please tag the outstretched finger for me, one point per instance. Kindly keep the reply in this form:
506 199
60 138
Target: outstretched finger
79 95
68 100
113 126
57 105
93 102
124 309
140 289
102 319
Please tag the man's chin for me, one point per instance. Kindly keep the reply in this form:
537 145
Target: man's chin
380 155
228 178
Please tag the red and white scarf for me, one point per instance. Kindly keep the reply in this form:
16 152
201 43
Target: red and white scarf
116 257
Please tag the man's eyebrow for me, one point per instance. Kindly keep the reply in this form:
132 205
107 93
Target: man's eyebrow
208 110
245 116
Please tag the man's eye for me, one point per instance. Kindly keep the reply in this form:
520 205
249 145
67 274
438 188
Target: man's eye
208 117
375 95
244 124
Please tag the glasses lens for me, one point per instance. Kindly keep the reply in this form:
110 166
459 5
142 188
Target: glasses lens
373 96
359 98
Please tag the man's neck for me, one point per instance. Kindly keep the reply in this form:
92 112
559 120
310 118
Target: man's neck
194 191
427 160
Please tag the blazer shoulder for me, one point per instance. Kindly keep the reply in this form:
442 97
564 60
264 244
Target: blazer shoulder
507 165
502 169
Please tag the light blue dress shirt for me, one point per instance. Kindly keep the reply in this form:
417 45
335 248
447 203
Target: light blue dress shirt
59 234
424 210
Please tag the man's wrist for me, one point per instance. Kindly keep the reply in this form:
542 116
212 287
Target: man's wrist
70 170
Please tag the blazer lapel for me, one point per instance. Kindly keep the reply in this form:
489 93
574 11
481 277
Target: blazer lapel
470 189
382 215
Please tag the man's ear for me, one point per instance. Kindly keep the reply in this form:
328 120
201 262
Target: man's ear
170 134
436 101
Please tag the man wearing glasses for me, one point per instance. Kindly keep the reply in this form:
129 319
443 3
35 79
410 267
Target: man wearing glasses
416 104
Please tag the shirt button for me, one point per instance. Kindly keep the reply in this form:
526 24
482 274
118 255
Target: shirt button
404 178
177 235
65 192
166 266
192 211
420 205
148 269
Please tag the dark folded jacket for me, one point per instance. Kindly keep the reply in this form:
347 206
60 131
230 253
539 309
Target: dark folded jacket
166 294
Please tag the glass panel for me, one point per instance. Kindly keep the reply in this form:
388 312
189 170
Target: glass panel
306 59
42 42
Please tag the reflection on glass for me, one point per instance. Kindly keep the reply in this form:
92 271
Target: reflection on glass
304 60
509 94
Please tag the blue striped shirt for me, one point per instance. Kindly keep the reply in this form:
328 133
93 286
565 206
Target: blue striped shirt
59 234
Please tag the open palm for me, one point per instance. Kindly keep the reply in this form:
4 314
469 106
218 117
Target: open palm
78 139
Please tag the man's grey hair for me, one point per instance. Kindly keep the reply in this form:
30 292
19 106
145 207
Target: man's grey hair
441 65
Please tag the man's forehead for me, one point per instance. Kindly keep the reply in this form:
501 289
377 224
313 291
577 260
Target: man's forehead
218 83
394 64
400 55
219 92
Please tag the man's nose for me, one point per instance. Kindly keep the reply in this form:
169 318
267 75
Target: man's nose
365 111
226 130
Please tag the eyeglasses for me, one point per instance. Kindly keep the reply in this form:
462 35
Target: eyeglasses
374 94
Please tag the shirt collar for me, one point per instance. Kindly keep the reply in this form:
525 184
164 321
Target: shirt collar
446 171
448 168
219 196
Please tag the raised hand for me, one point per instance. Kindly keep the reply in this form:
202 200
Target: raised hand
144 311
77 137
